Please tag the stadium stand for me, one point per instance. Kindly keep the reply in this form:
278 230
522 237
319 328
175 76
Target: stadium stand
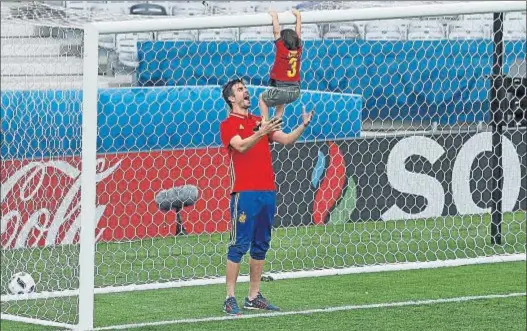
62 48
53 53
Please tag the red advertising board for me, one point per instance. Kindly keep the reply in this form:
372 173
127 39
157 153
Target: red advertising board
41 198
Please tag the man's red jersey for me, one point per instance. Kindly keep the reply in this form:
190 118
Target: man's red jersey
252 170
286 66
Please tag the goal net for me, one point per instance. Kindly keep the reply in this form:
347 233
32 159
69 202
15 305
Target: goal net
397 169
41 80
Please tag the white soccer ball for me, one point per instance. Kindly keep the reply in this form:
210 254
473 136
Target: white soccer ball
21 283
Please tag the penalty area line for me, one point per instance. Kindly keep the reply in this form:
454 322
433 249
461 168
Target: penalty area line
316 311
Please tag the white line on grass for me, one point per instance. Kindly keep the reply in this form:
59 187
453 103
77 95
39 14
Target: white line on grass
315 311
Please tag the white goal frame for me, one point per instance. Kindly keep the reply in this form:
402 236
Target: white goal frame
89 135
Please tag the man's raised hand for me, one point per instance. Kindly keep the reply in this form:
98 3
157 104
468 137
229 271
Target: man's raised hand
274 124
307 117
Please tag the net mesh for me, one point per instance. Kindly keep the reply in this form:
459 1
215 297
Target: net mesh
396 166
39 173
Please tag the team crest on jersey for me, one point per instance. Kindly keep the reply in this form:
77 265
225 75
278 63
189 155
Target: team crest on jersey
242 218
241 127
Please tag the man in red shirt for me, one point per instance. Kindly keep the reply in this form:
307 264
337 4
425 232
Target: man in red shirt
285 75
253 191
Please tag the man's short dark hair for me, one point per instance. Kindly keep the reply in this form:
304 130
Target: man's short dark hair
290 38
228 92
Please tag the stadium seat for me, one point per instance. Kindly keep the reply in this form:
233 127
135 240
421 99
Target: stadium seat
466 30
381 26
217 35
478 17
514 35
46 47
282 6
279 6
425 25
334 35
256 36
466 35
309 29
107 41
487 20
247 6
322 5
481 21
383 35
516 16
382 30
257 33
234 7
189 9
114 7
484 20
17 30
350 30
55 3
310 36
41 82
514 30
342 31
127 47
177 36
222 8
400 25
425 30
358 4
263 29
262 7
49 66
312 28
514 26
425 35
82 5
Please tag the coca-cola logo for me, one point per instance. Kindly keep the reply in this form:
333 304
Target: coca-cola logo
56 217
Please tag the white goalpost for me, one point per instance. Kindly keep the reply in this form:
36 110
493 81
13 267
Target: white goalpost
397 171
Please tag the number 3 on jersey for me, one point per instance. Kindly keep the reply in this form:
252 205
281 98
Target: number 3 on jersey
293 61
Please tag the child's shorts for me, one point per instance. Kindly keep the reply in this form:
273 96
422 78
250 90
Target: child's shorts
281 94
